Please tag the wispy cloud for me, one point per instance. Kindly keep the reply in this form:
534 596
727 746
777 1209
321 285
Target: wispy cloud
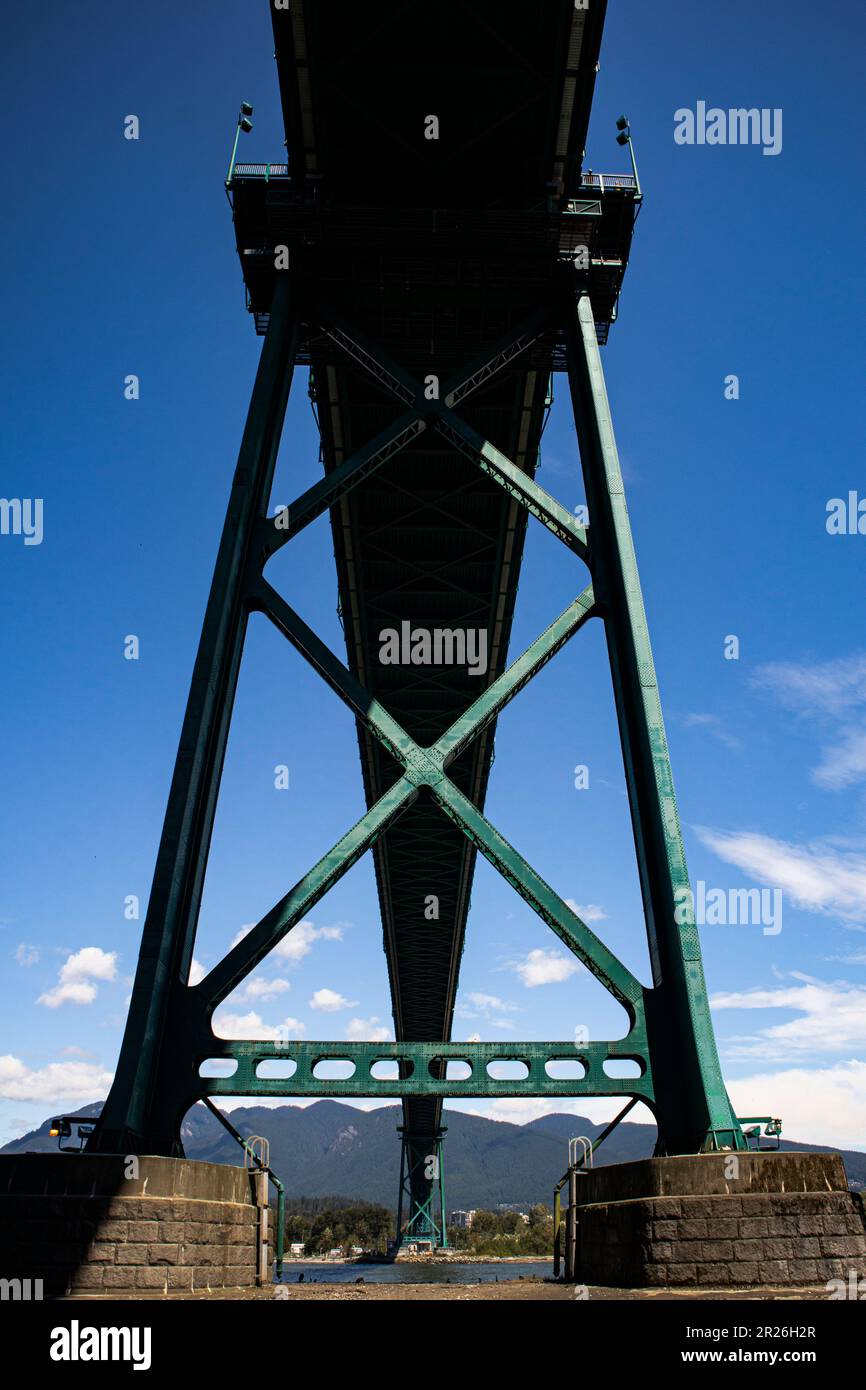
819 1105
829 1018
27 955
60 1081
816 877
489 1007
714 726
833 693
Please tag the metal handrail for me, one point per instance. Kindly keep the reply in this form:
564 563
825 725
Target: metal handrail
604 181
587 180
255 1161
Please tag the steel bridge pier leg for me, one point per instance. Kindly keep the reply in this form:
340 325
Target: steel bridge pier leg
421 1180
141 1113
692 1106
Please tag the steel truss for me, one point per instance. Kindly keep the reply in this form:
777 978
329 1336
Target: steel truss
169 1034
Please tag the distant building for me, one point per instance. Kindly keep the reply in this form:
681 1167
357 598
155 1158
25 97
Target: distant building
296 1247
462 1219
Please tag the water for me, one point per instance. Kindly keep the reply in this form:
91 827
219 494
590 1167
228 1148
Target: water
483 1272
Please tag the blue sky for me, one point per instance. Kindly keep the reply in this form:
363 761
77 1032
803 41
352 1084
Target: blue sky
118 258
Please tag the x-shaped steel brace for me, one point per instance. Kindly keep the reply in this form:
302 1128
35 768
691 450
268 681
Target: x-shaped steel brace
424 766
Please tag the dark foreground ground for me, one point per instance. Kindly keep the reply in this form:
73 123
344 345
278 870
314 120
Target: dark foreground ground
517 1290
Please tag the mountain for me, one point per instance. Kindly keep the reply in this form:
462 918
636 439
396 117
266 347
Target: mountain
328 1148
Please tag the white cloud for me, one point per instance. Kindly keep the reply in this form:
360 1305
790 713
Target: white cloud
330 1002
367 1030
830 1018
61 1082
298 943
75 985
588 912
818 1105
259 987
520 1110
541 967
197 972
489 1007
821 1105
239 935
816 877
27 955
251 1026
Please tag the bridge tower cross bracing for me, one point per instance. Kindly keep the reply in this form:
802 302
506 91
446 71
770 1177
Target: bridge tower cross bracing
433 249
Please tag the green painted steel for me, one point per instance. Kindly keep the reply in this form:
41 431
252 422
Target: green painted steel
297 1060
422 1180
170 1055
672 1017
692 1105
133 1114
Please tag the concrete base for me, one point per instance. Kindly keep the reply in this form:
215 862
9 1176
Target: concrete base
719 1220
81 1225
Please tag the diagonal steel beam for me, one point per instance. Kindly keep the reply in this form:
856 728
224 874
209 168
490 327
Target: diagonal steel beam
461 435
487 707
569 927
334 673
274 532
515 482
269 932
424 766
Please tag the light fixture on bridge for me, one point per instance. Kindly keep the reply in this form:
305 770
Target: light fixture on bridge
624 138
245 125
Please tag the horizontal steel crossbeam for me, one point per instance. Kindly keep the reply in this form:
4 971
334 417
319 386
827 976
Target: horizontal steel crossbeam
422 1068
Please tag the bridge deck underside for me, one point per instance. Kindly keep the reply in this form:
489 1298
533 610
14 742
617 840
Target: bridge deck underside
428 539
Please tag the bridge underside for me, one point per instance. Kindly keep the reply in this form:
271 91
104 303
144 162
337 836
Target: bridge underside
433 251
432 285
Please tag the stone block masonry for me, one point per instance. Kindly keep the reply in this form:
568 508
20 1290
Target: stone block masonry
82 1226
773 1219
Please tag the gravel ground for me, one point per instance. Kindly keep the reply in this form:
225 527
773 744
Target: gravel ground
519 1290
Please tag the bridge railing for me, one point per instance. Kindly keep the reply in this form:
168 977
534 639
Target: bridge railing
587 180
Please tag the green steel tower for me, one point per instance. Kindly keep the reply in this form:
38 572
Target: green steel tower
433 250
